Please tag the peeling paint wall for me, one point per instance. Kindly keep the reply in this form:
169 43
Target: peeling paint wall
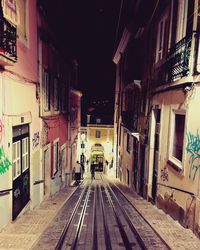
178 186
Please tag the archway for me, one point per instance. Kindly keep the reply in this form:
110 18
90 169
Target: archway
97 156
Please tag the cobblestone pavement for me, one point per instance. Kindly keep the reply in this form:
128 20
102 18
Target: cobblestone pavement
27 228
176 236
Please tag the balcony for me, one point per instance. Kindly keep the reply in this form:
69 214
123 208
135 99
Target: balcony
179 62
130 120
8 38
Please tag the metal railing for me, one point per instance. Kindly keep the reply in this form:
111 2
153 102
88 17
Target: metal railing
8 39
178 63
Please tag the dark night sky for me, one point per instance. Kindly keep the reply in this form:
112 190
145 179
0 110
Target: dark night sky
89 29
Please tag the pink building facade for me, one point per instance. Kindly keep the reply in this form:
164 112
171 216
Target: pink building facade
19 110
36 127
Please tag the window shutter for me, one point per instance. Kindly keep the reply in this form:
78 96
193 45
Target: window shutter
10 11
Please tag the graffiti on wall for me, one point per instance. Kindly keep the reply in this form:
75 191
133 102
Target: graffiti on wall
164 174
193 149
36 139
4 162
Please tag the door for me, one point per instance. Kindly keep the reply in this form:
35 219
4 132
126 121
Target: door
46 170
21 165
63 163
135 162
157 113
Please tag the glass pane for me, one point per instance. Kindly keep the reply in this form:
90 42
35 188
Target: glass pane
23 163
14 151
18 167
178 136
14 169
26 161
17 149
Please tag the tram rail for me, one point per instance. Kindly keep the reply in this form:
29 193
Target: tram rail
108 244
94 225
99 216
126 216
74 212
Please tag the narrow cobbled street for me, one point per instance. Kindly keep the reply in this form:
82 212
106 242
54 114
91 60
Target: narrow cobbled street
97 214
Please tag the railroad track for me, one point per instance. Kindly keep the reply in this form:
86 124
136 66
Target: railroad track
146 236
99 216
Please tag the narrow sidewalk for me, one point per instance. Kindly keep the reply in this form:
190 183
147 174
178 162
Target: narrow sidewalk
176 236
22 233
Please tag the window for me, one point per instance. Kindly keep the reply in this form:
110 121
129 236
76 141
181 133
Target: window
98 134
22 19
98 120
177 138
20 150
161 38
11 11
25 155
182 19
56 94
179 125
16 160
55 157
128 143
64 97
46 90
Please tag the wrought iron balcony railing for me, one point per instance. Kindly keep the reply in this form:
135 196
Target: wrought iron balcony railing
178 62
8 38
130 120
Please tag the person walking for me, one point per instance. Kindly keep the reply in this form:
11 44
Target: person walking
82 169
92 170
77 172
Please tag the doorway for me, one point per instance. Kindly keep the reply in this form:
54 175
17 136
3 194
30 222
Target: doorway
157 113
21 168
46 169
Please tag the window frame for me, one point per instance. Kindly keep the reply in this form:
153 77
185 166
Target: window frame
56 149
172 160
182 19
64 97
16 160
23 36
97 134
128 142
160 40
25 154
56 94
46 90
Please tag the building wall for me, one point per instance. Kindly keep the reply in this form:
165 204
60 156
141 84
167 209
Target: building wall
126 158
74 129
178 189
19 106
27 50
14 108
106 140
165 45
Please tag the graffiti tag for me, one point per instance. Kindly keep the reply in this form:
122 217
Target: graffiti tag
164 174
17 193
36 139
193 148
4 162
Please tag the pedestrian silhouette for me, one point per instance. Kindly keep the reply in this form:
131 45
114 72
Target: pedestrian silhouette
92 170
